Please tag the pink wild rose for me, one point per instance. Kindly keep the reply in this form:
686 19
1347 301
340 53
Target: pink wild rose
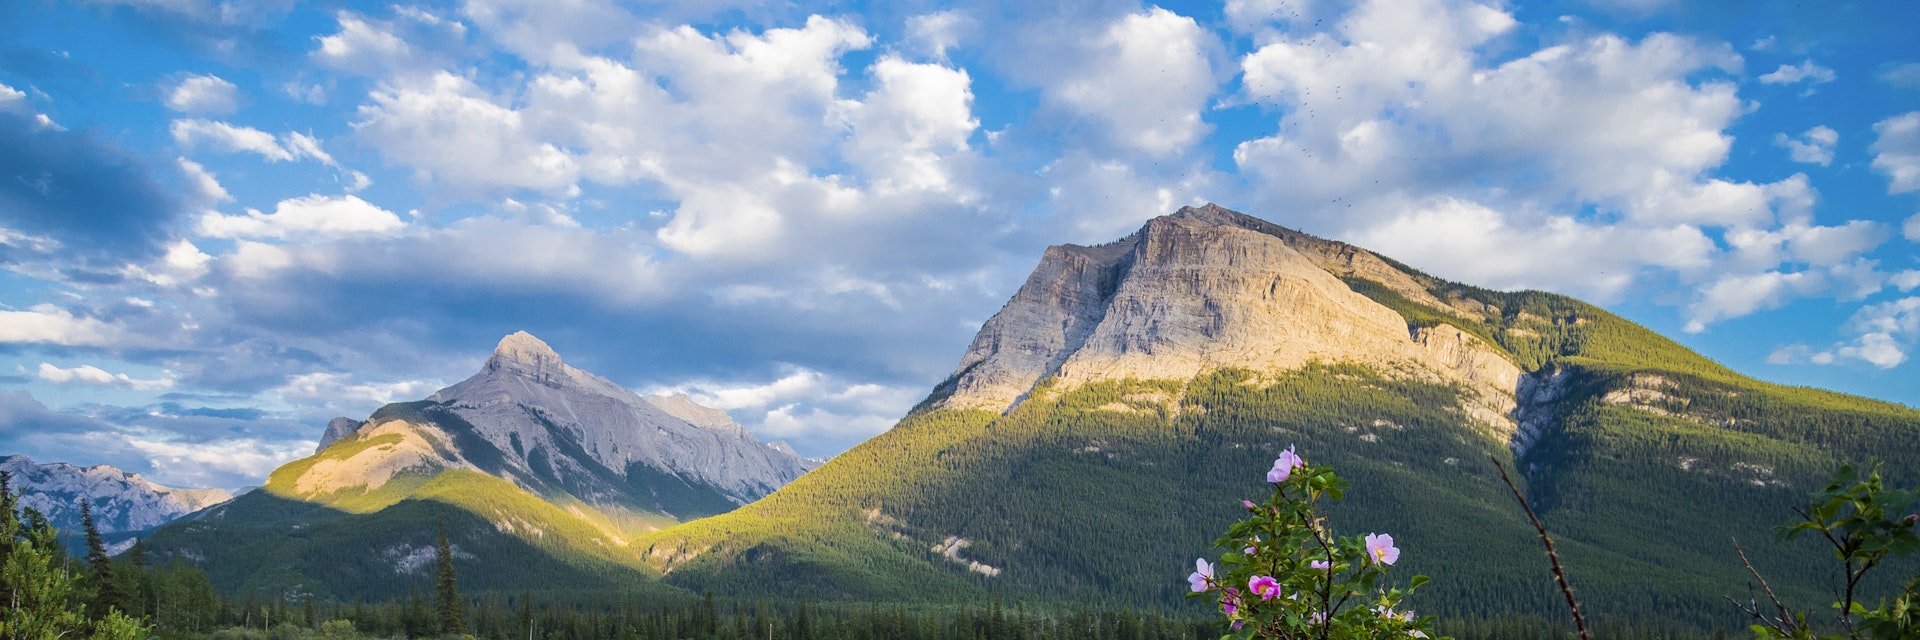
1264 586
1284 465
1380 548
1202 574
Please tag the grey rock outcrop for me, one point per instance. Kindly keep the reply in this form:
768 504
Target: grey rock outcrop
337 428
121 501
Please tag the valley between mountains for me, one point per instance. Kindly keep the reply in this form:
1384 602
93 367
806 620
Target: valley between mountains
1096 436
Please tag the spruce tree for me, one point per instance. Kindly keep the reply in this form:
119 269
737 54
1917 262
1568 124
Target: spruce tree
106 590
447 603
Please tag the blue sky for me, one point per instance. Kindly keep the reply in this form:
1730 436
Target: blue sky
223 223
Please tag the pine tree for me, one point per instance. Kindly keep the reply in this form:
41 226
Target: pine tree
447 603
106 591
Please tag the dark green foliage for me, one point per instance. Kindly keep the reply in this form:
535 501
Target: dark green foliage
106 592
449 609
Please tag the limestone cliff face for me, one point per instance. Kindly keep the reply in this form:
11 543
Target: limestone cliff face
1208 288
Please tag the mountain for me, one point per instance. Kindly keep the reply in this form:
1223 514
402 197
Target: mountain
1100 430
550 467
123 503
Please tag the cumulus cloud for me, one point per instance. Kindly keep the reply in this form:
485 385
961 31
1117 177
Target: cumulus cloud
1145 81
50 325
820 413
1399 99
203 94
1912 228
1738 295
1558 251
228 138
1897 151
935 33
1813 147
413 40
89 374
342 393
1883 335
747 136
1806 71
312 215
452 133
182 263
203 183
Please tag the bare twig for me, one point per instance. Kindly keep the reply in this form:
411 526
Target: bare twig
1786 617
1579 621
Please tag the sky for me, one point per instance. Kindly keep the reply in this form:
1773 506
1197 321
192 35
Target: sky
223 222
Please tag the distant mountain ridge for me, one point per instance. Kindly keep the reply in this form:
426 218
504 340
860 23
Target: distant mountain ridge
530 446
122 502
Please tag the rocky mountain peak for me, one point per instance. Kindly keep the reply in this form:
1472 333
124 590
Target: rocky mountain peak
520 350
1211 213
1205 288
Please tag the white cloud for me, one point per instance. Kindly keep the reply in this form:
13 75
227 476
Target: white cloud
199 464
414 41
915 118
548 32
1453 238
361 46
1144 80
89 374
1798 241
1912 228
203 94
746 134
486 256
1905 75
47 324
1885 332
182 263
1398 100
1906 280
304 216
807 406
1733 296
204 184
14 100
343 393
1806 70
229 138
935 33
1813 147
451 133
1897 151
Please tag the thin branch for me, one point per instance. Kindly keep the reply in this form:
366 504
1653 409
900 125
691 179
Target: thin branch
1786 617
1579 621
1754 611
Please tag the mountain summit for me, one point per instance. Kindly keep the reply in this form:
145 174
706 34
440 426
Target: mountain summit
1202 289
